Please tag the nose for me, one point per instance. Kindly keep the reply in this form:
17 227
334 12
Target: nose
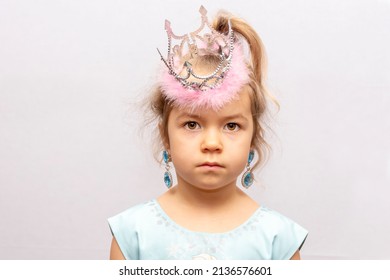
211 141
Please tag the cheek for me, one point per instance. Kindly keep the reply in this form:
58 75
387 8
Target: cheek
170 133
181 145
241 155
238 149
182 158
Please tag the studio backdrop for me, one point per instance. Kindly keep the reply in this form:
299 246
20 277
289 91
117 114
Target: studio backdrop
72 74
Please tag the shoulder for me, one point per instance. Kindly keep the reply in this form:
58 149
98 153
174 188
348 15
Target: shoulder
278 222
126 225
133 215
136 209
275 219
287 236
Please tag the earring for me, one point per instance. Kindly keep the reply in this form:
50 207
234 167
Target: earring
167 174
247 178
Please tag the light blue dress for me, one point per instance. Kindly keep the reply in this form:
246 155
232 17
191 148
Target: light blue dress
145 232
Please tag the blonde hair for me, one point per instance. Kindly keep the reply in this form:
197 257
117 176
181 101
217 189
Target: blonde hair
159 107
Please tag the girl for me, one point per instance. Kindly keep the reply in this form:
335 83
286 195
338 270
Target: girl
209 103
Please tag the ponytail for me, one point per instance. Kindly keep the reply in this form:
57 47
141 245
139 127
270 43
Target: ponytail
256 47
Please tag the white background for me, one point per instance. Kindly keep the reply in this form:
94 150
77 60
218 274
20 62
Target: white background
70 156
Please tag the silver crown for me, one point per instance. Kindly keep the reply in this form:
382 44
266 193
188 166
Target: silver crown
214 42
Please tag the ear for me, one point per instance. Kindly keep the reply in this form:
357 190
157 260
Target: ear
164 136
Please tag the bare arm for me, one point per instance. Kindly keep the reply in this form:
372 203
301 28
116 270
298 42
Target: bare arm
296 256
115 253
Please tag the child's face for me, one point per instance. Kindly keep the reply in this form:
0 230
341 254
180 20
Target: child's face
210 149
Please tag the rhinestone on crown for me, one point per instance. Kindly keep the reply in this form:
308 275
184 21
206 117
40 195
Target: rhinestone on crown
197 43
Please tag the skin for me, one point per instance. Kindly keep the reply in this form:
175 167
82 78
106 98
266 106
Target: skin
207 198
209 150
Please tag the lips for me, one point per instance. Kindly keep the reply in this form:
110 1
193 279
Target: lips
211 164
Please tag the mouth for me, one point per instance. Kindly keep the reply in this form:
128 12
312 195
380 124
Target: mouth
212 165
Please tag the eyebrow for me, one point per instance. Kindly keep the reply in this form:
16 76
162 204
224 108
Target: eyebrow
188 115
228 117
235 116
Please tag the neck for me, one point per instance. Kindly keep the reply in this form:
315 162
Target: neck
206 198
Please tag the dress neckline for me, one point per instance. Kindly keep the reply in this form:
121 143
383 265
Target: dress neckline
248 222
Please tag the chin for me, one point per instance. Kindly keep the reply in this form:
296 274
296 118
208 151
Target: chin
209 183
211 186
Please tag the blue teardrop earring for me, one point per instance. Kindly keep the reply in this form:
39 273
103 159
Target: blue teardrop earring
167 174
248 178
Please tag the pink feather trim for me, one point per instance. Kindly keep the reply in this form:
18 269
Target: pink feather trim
215 98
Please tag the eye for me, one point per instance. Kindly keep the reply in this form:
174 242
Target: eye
232 126
191 125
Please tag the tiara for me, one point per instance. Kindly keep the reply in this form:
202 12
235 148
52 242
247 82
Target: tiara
182 84
213 42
